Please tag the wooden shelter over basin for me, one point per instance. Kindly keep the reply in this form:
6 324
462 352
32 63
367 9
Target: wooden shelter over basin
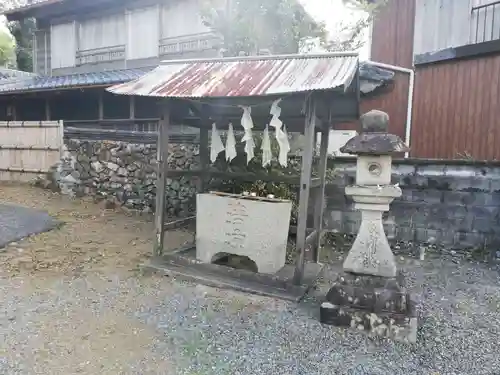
315 93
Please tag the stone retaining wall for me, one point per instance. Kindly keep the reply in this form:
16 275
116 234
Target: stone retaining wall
125 173
451 203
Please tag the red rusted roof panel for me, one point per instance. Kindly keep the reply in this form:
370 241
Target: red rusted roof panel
269 75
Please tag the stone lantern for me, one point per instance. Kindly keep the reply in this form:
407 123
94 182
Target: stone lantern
368 295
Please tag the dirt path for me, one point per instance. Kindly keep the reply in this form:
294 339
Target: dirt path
92 244
91 238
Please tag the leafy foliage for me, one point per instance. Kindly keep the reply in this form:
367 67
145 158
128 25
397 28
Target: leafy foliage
280 26
262 188
22 32
7 51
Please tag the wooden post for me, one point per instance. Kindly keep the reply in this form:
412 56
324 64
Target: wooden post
204 157
162 157
132 107
305 182
47 109
100 104
319 196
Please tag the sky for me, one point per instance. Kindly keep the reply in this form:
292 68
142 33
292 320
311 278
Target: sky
332 12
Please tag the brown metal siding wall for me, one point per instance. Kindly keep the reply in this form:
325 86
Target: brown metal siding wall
392 35
394 102
456 110
392 43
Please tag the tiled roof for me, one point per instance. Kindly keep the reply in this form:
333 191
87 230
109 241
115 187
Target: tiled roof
34 4
43 83
245 76
10 74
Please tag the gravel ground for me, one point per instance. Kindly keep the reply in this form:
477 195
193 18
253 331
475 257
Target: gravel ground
75 305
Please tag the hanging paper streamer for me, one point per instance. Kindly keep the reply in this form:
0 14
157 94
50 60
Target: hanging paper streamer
247 123
275 112
281 136
216 146
284 147
267 154
230 144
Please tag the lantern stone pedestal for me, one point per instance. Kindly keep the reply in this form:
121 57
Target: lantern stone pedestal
369 295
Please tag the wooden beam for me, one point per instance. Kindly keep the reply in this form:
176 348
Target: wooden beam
100 105
315 182
241 176
176 224
293 124
305 184
319 194
312 237
162 157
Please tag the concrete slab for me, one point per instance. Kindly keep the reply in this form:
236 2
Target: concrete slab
17 222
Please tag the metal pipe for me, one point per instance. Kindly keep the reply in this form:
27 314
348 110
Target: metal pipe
411 88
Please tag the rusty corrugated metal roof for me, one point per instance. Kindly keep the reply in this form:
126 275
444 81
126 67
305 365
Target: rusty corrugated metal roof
247 76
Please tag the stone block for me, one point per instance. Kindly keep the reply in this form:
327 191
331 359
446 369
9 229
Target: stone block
371 254
430 170
334 220
352 216
494 199
494 185
373 170
403 169
428 196
406 195
463 197
405 233
485 212
463 223
374 305
470 184
422 234
337 201
404 212
447 237
461 171
257 229
390 228
467 240
351 227
434 236
485 226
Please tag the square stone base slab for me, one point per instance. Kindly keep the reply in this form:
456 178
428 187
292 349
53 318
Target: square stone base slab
184 265
375 305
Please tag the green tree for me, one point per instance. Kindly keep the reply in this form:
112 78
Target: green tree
7 50
23 32
280 26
